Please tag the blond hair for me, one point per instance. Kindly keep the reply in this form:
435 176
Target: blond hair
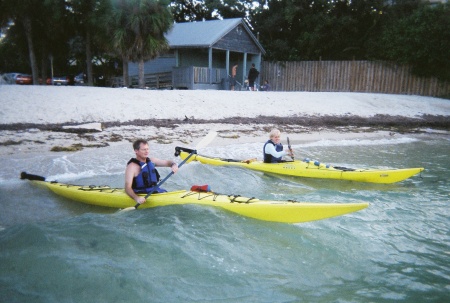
274 132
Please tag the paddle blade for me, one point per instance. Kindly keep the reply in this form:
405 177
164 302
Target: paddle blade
24 175
206 140
127 209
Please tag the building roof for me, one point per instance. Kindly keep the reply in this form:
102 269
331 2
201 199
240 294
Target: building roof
204 33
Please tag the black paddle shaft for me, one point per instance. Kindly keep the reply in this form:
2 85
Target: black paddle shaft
289 146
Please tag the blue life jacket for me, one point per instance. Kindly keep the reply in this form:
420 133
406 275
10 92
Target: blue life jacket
147 178
268 158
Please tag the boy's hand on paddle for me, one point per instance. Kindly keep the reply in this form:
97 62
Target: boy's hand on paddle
291 153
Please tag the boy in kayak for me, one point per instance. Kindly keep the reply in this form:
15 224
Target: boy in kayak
141 175
273 150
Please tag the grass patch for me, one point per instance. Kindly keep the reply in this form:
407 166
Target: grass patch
10 142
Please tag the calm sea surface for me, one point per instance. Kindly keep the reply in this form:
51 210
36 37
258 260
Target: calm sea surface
396 250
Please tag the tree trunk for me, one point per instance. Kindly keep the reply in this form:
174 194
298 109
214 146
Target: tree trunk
126 77
89 72
44 65
141 73
34 67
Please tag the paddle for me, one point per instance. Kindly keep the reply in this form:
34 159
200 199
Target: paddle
205 141
289 146
24 175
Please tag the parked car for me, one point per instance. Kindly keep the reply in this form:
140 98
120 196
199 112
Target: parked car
24 79
80 79
10 78
63 80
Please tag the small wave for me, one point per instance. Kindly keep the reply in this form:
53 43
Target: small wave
72 175
358 142
250 149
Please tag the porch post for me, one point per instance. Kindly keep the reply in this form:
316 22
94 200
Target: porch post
259 62
227 63
244 68
210 64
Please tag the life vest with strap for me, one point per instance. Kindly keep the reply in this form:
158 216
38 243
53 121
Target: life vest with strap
147 178
268 158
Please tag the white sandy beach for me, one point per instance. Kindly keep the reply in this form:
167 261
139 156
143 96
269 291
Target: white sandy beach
79 105
44 104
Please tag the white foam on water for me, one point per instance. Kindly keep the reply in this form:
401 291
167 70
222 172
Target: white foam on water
358 142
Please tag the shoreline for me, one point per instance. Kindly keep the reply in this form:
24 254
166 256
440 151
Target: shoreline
35 140
35 119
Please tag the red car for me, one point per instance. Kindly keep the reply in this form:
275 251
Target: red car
24 79
28 79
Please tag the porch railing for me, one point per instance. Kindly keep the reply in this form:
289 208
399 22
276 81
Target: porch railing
190 76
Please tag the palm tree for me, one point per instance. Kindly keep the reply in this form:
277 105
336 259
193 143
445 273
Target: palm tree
122 36
140 26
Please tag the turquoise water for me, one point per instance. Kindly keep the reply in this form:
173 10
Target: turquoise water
397 250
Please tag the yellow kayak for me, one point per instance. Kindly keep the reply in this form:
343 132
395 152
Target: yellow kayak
267 210
308 169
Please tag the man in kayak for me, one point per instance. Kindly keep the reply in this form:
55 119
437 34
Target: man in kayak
141 175
273 149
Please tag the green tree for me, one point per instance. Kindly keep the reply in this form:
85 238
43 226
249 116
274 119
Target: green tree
121 34
87 17
24 13
13 51
189 10
49 34
421 39
289 29
229 8
317 29
193 10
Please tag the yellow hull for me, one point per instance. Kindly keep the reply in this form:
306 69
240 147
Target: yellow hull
275 211
313 170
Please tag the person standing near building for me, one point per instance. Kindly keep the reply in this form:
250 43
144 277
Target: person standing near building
253 73
233 76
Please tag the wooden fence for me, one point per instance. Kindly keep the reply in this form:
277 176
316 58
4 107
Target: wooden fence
349 76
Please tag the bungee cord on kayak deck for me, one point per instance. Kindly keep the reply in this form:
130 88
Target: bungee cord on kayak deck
216 195
109 189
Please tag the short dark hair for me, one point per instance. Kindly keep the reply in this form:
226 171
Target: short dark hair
138 142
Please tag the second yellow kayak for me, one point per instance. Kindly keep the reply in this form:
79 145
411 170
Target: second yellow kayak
308 169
